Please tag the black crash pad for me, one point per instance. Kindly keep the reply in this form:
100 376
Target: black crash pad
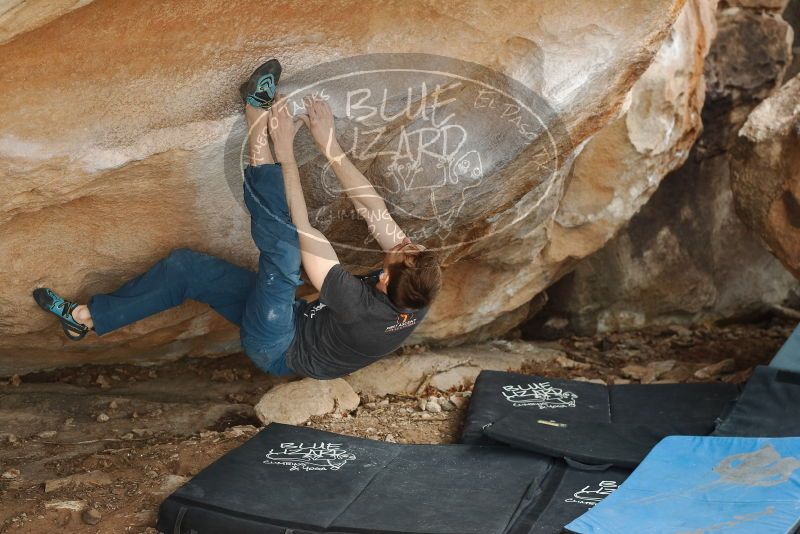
591 423
497 394
768 407
607 444
788 357
299 480
566 494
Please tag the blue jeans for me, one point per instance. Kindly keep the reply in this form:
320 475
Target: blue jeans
262 304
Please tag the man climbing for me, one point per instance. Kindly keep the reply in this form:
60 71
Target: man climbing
355 321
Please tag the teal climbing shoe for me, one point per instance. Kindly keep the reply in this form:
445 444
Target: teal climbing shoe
260 90
49 301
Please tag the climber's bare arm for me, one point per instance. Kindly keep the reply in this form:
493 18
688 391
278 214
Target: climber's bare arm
316 252
368 203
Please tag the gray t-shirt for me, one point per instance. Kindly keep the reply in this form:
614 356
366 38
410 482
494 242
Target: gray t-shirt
350 326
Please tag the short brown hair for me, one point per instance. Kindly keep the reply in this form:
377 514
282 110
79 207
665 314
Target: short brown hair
415 281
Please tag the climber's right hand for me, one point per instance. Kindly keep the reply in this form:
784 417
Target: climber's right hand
321 124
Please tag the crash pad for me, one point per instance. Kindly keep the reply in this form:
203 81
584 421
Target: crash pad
607 444
706 484
788 357
300 480
769 406
497 394
591 423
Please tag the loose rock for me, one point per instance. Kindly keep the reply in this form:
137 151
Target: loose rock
94 478
91 516
680 373
636 372
715 369
446 405
103 382
458 401
171 482
433 407
294 402
223 375
10 474
661 367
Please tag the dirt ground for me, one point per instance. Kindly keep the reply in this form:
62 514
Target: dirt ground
97 448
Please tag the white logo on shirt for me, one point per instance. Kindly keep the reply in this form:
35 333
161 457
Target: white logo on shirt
311 312
404 320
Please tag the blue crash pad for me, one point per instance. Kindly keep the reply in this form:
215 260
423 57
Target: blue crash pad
705 484
788 357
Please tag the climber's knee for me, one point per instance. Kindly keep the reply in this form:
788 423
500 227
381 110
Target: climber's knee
180 268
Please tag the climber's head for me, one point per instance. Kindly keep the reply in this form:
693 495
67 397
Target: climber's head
411 275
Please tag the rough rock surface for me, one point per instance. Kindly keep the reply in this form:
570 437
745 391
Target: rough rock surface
129 155
686 256
19 16
612 177
446 369
746 64
792 15
765 173
621 166
668 269
294 402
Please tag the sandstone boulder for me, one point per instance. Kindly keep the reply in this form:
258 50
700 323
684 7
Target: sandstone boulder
622 166
122 140
19 16
293 403
612 177
445 369
686 256
765 174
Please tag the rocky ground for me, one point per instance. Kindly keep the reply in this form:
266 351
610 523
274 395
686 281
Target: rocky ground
96 449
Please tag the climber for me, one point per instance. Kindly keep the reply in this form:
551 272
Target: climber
356 320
